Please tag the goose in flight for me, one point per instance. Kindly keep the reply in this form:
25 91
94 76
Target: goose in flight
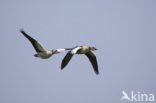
87 50
41 52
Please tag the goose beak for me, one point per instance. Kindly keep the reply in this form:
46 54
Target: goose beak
95 48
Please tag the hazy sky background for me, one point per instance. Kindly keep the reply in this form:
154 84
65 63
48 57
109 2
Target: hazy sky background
124 31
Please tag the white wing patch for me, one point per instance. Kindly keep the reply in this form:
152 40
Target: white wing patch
75 50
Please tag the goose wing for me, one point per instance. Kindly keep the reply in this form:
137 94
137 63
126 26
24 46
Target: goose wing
68 57
37 46
93 60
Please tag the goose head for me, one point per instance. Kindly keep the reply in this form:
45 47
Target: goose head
55 51
93 48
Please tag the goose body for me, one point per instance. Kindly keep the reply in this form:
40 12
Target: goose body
87 50
41 52
83 50
44 54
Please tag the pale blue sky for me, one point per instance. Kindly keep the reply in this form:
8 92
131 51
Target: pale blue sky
123 31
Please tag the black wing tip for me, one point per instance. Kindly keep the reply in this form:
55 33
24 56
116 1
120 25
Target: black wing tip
96 70
22 31
62 68
97 73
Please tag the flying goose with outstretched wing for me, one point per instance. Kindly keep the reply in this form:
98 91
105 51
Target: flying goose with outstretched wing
87 50
41 52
